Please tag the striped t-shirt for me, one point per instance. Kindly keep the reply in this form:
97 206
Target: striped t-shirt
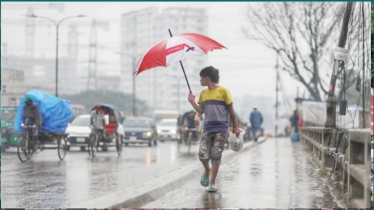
216 103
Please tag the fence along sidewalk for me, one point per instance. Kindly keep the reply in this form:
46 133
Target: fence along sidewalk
351 156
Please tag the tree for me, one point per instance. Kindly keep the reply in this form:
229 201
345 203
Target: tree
300 34
123 101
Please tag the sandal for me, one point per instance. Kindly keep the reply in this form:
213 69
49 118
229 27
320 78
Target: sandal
212 188
204 181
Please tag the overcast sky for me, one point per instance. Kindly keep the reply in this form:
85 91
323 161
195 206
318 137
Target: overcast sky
245 68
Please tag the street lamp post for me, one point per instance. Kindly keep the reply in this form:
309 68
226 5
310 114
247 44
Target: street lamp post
133 59
133 86
57 24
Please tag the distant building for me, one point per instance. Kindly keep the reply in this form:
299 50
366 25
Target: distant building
13 87
42 72
108 83
161 88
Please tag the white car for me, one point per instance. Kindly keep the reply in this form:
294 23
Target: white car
79 131
167 129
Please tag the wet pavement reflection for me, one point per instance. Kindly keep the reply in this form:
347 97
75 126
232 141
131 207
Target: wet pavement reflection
46 182
276 174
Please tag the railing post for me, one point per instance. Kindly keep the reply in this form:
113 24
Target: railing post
323 152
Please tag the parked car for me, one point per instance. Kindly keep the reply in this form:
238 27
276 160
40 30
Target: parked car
140 130
167 129
79 131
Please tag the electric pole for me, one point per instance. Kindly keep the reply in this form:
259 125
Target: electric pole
331 100
276 98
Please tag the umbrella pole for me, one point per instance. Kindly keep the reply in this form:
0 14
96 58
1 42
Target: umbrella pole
185 76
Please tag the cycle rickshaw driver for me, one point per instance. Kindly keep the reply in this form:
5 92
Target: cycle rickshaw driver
31 117
191 123
97 121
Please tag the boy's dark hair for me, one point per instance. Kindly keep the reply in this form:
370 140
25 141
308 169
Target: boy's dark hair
210 72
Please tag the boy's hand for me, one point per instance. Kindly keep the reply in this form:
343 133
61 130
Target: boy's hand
191 98
236 131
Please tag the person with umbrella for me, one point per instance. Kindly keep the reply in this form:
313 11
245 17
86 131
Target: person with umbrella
216 103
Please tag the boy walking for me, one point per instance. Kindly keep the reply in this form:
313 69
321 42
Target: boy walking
216 103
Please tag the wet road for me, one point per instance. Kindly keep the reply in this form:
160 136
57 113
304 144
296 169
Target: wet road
276 174
46 182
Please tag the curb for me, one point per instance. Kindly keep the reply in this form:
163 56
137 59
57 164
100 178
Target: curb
137 196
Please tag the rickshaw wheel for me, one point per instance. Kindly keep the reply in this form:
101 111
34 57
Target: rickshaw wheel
93 145
22 154
89 144
104 147
118 145
62 147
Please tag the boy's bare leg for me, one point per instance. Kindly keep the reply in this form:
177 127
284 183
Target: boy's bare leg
206 167
214 174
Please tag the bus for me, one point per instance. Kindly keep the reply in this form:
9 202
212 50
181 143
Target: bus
77 110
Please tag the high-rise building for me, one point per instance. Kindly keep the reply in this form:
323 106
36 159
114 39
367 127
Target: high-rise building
161 88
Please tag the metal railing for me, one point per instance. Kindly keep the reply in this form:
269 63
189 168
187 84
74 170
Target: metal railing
347 159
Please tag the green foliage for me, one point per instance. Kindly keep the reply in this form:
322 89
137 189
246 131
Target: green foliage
123 101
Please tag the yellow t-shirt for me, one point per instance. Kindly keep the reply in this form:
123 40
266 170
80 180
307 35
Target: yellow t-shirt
216 103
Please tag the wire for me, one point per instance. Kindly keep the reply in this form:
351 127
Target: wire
358 74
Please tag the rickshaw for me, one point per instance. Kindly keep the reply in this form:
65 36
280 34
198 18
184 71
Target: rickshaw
9 138
186 135
56 114
109 137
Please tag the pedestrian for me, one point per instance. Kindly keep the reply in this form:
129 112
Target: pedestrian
294 119
300 122
216 103
255 118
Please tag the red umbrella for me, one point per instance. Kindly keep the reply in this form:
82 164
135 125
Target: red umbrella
175 49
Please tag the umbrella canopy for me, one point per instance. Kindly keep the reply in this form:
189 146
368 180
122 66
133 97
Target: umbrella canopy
174 49
284 116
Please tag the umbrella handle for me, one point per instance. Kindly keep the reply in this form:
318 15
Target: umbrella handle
185 76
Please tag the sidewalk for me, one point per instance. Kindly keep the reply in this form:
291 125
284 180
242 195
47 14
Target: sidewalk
275 174
139 195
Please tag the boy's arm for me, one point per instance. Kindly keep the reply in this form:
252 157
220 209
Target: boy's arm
234 121
199 108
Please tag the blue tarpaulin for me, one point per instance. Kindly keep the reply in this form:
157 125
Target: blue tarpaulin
56 113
